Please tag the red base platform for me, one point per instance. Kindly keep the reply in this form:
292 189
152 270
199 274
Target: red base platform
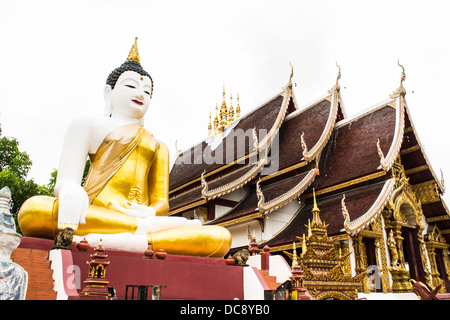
182 277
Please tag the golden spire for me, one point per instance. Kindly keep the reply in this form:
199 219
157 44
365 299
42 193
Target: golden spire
315 211
294 256
304 245
134 52
238 108
209 124
216 120
309 228
231 110
223 114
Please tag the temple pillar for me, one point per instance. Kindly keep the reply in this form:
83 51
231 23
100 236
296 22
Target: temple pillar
400 278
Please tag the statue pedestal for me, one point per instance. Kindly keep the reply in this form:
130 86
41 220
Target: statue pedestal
180 277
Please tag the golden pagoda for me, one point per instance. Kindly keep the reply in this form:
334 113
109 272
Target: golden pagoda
322 265
224 116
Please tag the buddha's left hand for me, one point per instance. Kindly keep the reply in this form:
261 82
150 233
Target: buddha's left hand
133 209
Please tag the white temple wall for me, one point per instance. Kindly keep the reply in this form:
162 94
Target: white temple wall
277 220
240 233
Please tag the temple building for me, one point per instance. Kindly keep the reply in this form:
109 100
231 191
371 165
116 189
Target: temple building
382 202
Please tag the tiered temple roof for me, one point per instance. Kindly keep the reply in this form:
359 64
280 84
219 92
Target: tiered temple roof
348 161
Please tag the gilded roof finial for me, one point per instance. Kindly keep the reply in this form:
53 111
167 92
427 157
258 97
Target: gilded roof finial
291 75
401 90
403 76
338 77
134 52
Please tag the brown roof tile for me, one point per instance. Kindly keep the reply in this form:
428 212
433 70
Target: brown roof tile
351 151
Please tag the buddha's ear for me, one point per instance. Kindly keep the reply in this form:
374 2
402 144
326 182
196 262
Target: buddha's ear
107 92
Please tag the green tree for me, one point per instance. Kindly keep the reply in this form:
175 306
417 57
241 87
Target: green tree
14 168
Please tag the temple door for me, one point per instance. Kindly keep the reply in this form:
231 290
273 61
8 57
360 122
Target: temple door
412 254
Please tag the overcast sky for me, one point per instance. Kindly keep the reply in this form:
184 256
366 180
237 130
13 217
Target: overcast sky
55 57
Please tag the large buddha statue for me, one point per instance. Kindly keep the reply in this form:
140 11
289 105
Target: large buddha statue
124 199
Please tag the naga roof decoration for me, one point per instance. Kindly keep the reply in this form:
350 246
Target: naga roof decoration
310 155
387 162
283 199
233 185
353 227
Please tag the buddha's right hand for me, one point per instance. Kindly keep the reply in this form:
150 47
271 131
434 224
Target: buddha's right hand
132 209
73 206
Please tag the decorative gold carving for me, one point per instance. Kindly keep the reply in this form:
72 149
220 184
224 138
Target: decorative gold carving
392 244
435 240
135 194
323 265
404 209
427 192
134 52
435 219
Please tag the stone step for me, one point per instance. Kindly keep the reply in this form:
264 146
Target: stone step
270 280
40 275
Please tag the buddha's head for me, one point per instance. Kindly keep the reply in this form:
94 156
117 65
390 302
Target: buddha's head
128 89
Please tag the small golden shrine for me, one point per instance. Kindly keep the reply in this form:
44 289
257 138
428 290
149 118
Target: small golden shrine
96 283
322 265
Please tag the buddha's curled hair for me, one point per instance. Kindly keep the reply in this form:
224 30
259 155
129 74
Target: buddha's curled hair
128 65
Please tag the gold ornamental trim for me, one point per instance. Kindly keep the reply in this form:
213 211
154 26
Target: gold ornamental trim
239 220
190 206
347 184
288 169
437 218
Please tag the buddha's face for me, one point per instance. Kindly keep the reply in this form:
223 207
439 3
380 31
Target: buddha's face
131 95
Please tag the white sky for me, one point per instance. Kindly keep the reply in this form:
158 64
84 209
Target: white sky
55 57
